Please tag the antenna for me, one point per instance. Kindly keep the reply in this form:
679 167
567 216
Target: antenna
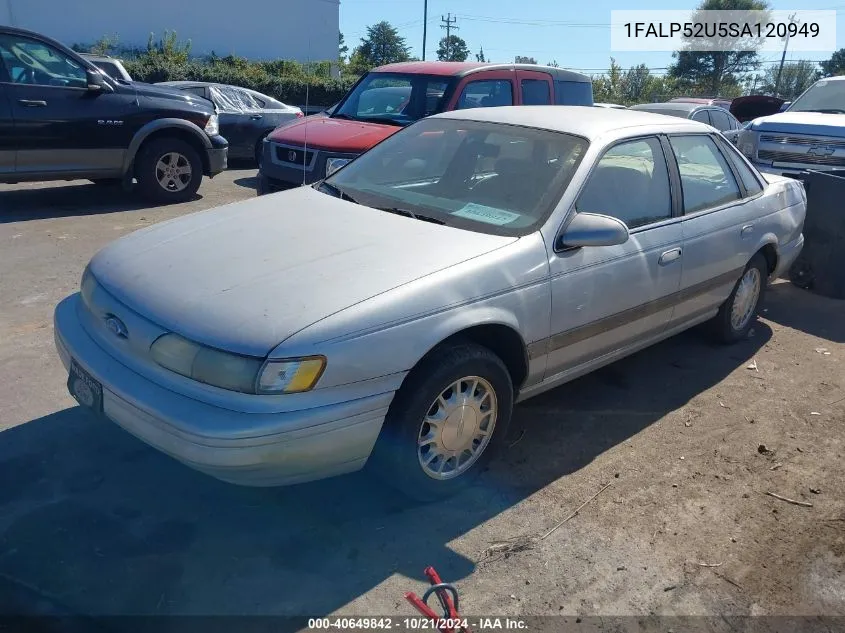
305 121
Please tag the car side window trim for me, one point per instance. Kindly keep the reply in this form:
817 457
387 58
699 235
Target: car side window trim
730 157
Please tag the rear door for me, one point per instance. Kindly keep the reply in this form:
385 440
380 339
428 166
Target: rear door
484 90
535 88
702 116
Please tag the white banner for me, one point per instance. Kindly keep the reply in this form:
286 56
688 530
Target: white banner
763 31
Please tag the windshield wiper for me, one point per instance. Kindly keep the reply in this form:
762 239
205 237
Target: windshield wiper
825 110
341 115
337 192
410 214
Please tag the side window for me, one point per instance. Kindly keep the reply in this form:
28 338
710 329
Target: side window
630 183
701 115
536 92
720 120
573 93
706 179
486 93
749 180
34 63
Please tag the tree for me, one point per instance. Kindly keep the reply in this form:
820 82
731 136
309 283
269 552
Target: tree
452 49
835 65
383 45
519 59
795 79
717 70
342 48
553 64
479 56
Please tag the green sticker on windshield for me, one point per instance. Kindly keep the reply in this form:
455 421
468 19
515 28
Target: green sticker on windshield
482 213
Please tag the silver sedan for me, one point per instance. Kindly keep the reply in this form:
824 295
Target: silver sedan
392 314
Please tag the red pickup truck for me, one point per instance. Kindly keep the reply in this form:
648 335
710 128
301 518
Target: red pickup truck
390 97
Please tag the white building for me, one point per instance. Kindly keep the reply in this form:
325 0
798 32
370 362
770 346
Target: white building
301 30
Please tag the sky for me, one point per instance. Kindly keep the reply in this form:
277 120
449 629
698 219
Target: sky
575 33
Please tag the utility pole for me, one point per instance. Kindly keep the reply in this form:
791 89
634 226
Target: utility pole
448 24
792 20
425 25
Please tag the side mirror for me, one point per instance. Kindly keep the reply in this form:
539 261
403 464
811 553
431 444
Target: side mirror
592 229
784 106
96 82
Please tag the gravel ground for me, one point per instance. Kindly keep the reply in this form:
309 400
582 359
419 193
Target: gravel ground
682 443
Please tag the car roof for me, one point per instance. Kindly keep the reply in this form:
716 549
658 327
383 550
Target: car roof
585 121
672 105
461 69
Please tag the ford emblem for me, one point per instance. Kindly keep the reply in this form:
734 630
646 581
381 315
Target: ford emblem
117 327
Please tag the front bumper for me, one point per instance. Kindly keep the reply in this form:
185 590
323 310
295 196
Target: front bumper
217 156
303 445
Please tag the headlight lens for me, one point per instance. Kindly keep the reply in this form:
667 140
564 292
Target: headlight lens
212 126
235 372
292 375
205 364
747 142
333 164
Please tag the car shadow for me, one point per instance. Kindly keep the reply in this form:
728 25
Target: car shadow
248 182
791 306
70 200
105 524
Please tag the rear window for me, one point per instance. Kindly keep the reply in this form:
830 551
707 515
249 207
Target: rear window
573 93
481 176
535 92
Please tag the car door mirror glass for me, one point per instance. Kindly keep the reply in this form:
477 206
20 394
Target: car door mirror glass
593 229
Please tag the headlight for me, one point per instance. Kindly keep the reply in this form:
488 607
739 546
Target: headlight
212 126
235 372
205 364
292 375
746 141
333 164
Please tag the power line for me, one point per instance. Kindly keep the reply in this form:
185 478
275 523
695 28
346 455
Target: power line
449 25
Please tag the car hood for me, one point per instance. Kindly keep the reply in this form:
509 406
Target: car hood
816 123
246 276
338 135
154 91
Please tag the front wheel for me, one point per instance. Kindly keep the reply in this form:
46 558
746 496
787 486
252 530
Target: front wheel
445 423
168 170
737 314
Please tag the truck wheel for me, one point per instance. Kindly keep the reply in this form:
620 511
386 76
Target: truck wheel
168 170
445 423
738 312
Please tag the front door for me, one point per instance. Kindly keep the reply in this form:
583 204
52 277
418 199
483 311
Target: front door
608 298
8 149
60 126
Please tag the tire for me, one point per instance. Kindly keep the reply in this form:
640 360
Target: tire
397 456
168 150
725 327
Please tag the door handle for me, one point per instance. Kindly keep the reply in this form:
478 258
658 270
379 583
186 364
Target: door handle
746 230
32 103
255 117
669 256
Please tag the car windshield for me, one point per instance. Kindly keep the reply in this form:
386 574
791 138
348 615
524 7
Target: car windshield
395 98
823 96
482 176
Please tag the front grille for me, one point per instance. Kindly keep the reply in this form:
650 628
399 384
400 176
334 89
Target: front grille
801 140
295 156
800 157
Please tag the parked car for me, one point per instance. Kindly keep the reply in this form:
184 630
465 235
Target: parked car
809 134
716 116
497 253
112 66
246 116
719 102
63 119
615 106
390 97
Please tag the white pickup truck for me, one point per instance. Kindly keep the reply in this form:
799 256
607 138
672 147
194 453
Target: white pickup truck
809 134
